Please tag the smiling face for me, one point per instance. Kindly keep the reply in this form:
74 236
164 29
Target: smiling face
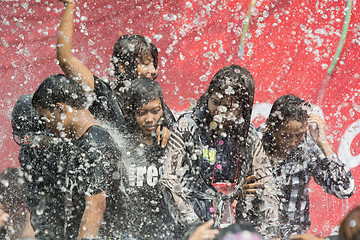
225 109
148 117
290 135
146 68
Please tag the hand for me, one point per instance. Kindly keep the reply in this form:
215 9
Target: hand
163 135
204 231
306 236
317 131
317 128
250 186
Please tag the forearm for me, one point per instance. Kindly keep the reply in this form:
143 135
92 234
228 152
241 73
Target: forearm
92 216
70 65
325 147
334 176
65 36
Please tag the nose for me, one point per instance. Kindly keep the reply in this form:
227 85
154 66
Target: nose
293 143
152 72
149 118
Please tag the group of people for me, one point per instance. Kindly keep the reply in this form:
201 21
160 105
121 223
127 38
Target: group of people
108 160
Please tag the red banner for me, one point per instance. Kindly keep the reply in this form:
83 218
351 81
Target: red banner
289 47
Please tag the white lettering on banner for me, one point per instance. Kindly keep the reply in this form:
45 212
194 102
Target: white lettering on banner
345 145
137 175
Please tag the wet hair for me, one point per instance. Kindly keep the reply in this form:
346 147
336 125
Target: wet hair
350 225
240 231
243 86
59 88
141 92
285 108
24 118
130 50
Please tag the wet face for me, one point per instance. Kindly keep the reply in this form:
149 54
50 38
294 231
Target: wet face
148 117
290 135
225 110
55 121
146 69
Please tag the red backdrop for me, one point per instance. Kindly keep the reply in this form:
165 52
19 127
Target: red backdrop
290 44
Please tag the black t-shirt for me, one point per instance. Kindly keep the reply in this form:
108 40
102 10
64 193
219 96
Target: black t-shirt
107 107
136 204
89 172
45 173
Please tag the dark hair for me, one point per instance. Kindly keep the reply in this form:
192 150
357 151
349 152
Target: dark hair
239 230
141 92
242 83
350 225
285 108
59 88
24 119
130 50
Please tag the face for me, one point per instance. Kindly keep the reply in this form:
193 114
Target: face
290 135
225 109
148 116
146 69
55 121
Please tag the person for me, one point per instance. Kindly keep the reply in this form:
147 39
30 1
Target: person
350 225
14 214
214 158
137 207
134 56
296 156
61 103
42 159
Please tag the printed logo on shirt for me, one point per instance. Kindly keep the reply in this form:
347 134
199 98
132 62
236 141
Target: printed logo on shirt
209 154
138 175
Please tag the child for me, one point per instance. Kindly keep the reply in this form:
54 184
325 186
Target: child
60 102
296 157
134 56
138 209
215 158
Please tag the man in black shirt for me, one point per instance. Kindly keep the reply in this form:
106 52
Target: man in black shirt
60 102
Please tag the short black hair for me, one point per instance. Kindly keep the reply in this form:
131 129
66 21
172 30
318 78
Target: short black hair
59 88
24 118
130 49
285 108
141 92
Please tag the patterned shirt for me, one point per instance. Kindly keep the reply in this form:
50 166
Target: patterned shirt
189 191
293 176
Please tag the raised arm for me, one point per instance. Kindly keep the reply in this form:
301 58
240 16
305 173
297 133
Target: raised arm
71 66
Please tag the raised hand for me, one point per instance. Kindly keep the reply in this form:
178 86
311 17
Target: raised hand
317 129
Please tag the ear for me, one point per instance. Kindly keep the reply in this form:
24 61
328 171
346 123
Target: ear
60 107
121 66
